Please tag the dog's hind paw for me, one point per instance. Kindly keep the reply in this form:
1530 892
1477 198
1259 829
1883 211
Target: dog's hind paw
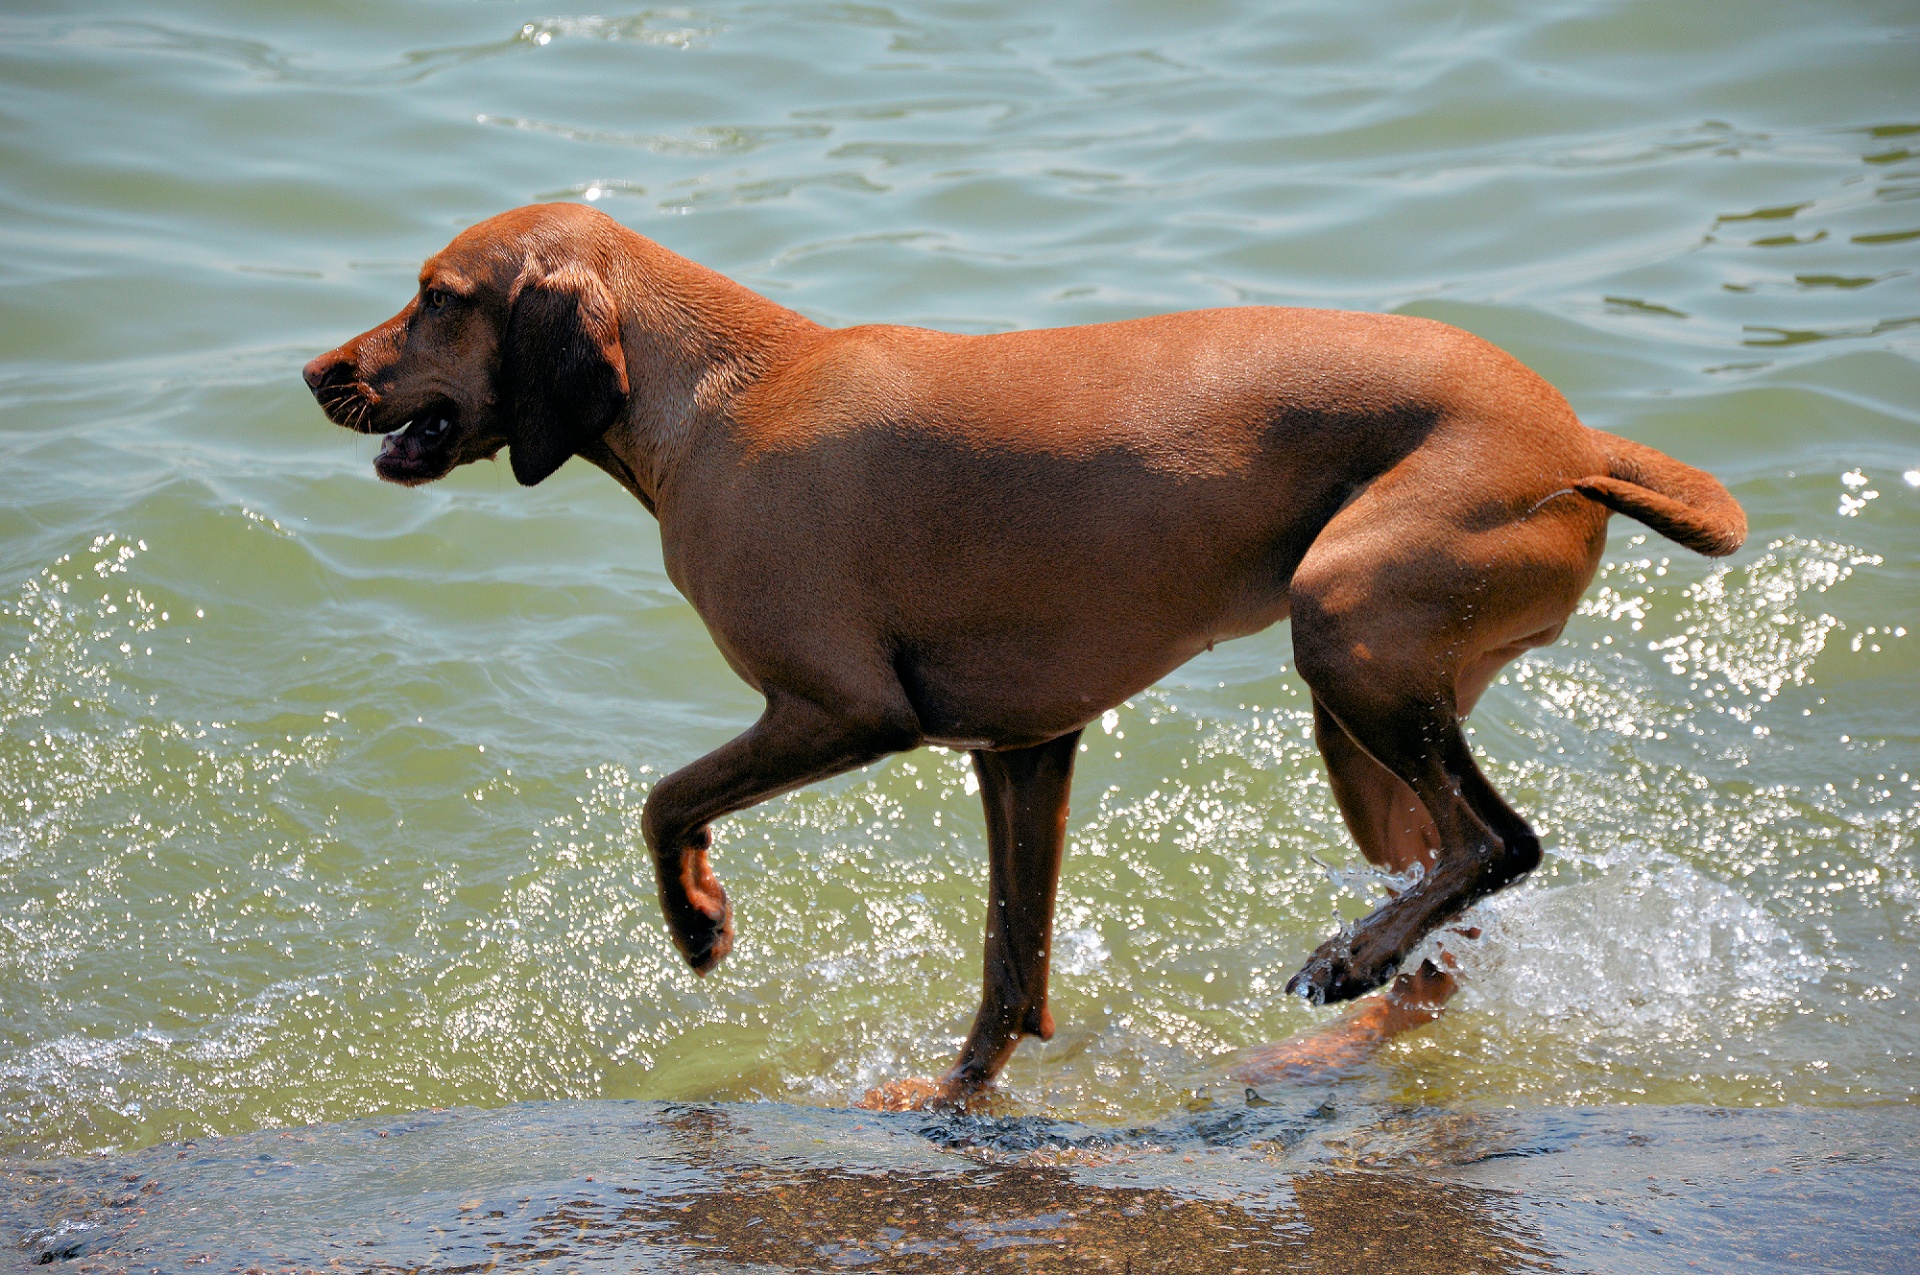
910 1094
916 1094
1335 973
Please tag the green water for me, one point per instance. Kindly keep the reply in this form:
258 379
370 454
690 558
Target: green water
320 798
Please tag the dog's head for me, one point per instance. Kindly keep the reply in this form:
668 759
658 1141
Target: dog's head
513 340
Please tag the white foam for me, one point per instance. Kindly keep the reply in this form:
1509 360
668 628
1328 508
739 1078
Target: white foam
1654 948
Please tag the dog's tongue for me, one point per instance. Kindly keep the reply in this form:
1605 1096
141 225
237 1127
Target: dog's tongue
401 443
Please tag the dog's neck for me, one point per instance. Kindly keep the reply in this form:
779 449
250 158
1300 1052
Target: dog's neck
693 340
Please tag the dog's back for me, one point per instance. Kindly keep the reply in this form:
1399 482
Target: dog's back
1036 525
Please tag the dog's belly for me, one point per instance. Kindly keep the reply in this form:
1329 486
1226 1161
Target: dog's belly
1018 687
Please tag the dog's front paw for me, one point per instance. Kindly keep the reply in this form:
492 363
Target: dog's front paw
703 939
1341 969
698 913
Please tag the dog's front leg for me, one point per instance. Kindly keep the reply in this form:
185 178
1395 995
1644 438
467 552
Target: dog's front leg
795 742
1025 793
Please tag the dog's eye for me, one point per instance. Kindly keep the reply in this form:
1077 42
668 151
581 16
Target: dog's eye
434 298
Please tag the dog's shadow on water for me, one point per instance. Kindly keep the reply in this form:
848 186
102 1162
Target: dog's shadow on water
1046 1195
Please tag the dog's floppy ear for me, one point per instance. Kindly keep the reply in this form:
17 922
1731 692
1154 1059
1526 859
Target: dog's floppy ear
563 375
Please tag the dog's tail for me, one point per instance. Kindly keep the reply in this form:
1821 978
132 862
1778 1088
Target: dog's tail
1680 502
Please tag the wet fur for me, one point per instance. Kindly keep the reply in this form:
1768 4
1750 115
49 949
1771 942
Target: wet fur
903 537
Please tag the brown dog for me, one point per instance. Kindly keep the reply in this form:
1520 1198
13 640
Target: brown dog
903 537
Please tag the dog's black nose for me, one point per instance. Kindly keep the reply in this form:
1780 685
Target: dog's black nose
324 369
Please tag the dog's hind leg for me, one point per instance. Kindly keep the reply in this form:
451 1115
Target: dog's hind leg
795 742
1396 834
1484 845
1390 651
1388 822
1404 608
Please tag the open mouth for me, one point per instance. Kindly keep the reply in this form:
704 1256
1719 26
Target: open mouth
420 449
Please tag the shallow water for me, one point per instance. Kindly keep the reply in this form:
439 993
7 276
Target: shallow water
1305 1184
319 799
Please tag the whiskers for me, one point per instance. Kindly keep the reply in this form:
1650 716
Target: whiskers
350 404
